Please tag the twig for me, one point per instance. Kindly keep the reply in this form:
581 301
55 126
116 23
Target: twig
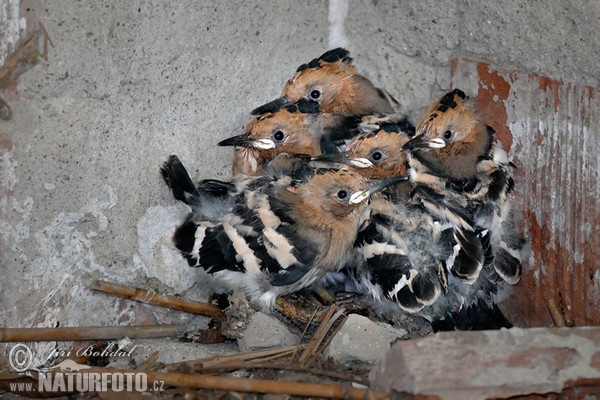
336 391
555 313
339 391
298 368
314 341
229 360
148 362
26 54
306 358
328 340
304 333
88 333
163 300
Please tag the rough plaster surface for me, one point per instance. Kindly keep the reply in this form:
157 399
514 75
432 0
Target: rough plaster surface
264 331
127 84
361 339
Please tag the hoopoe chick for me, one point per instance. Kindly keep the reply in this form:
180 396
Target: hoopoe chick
464 176
379 154
275 234
408 253
291 128
413 262
333 82
298 128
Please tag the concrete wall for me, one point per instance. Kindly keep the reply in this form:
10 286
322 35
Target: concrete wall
128 83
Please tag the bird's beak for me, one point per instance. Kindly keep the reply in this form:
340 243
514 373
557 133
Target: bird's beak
271 106
378 184
419 142
245 140
341 158
239 140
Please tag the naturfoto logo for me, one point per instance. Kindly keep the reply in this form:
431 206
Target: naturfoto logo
70 376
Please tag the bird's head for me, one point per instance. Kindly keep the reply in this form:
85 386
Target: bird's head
332 82
331 196
450 136
374 154
289 129
320 81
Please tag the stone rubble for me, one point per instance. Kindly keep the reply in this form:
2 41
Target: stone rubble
493 364
361 339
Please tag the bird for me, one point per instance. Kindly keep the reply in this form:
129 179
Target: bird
333 82
293 128
410 263
464 175
379 154
299 128
336 96
414 261
274 234
375 151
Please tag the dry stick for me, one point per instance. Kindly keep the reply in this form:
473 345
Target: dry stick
47 40
23 55
231 363
327 341
555 313
338 391
88 333
315 340
148 362
213 362
9 375
298 347
163 300
311 351
265 386
298 368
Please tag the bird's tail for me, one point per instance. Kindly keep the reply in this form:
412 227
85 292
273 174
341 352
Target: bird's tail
178 180
482 315
183 188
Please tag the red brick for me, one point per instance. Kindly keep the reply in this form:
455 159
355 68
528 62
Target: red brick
551 129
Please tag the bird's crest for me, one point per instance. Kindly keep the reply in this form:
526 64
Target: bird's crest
304 106
329 57
438 112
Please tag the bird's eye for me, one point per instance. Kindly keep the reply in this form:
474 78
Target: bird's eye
377 156
315 94
448 135
342 194
279 136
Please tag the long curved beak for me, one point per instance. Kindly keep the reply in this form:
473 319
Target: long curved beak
271 106
341 158
245 140
378 184
419 142
239 140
